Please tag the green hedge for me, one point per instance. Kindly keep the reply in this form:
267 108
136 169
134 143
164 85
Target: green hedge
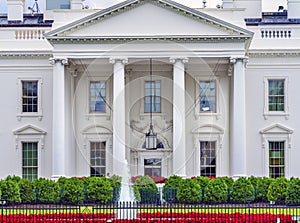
242 191
293 192
216 191
170 189
189 191
98 190
47 191
277 190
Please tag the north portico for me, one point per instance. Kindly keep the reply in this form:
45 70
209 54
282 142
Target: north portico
101 84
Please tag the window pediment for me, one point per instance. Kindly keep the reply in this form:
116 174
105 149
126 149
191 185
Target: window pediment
29 130
276 129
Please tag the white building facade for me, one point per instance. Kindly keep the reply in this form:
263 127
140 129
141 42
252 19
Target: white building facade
84 83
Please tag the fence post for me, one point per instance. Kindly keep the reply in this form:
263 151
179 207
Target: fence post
249 200
3 202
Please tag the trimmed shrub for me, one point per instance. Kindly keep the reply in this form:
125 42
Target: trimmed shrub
142 183
170 189
98 190
262 189
47 191
215 191
72 191
27 192
277 190
254 181
10 191
189 191
293 192
202 181
228 180
242 191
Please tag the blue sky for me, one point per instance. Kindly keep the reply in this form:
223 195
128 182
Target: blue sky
268 5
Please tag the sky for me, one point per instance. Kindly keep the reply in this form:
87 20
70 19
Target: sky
267 5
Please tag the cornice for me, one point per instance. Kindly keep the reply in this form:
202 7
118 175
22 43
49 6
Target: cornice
127 39
24 55
285 53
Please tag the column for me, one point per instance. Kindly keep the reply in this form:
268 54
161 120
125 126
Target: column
119 144
238 119
179 161
59 118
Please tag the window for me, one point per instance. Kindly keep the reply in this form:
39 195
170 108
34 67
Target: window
29 96
208 158
207 96
57 4
276 94
30 160
154 95
152 167
97 97
276 159
98 158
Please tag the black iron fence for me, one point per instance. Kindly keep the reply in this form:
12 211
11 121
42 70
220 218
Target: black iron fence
151 213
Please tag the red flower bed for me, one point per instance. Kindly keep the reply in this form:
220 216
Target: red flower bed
157 217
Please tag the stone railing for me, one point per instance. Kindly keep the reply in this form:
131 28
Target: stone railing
276 33
30 34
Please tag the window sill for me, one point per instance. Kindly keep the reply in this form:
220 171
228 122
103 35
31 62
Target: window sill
282 114
30 115
207 114
98 115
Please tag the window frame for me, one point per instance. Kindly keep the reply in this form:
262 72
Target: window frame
152 96
105 157
20 113
106 105
153 166
108 112
280 133
37 166
270 158
215 151
267 112
208 132
198 113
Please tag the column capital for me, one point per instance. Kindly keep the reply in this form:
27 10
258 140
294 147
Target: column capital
122 60
63 61
177 59
233 60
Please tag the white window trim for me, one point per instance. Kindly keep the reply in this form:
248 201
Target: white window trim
30 133
21 114
268 113
276 133
108 112
97 133
211 133
144 114
198 114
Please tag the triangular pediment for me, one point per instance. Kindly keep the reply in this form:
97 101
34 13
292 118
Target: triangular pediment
96 129
29 130
208 129
276 129
148 19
